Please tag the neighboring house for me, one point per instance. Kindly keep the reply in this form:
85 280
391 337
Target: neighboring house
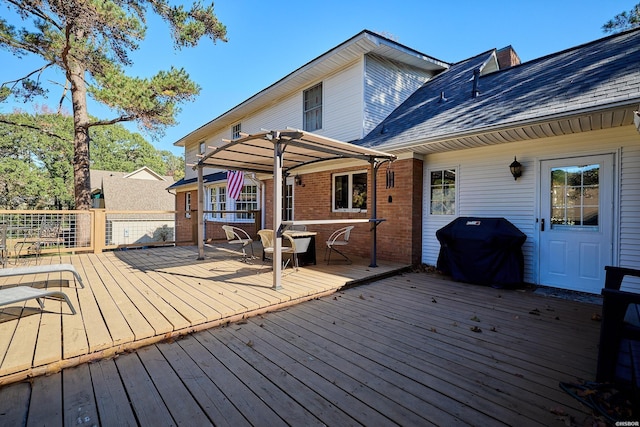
567 117
125 196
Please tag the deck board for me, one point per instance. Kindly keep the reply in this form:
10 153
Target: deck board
398 351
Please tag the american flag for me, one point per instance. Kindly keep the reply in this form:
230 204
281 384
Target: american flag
235 181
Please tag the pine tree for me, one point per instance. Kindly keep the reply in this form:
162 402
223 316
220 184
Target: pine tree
90 42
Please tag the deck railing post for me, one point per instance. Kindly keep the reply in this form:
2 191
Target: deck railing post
98 229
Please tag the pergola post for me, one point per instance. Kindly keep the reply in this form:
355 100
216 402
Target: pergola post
200 236
277 212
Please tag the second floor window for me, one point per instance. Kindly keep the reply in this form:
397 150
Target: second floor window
313 108
235 131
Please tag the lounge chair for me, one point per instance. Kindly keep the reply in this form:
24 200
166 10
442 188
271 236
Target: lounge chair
24 293
39 269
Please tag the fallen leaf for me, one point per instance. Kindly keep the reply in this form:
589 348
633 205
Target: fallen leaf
361 297
475 329
475 319
250 343
535 312
433 330
597 317
433 300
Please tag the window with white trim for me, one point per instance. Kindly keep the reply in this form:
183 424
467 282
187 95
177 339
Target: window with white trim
187 204
442 191
350 192
287 201
248 201
202 147
235 131
312 108
218 201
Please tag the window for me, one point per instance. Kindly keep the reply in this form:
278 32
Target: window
218 201
187 204
287 205
313 108
202 147
218 198
248 201
235 131
575 196
350 191
443 192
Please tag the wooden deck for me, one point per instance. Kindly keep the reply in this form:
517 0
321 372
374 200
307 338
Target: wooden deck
137 297
411 349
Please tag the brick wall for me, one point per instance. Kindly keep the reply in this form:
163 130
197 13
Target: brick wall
398 238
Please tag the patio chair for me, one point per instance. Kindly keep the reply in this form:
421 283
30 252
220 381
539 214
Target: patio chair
237 236
46 235
266 237
338 239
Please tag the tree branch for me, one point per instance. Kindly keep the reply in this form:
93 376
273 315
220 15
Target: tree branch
38 71
35 11
36 128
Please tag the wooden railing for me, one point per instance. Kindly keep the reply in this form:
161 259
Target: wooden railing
97 230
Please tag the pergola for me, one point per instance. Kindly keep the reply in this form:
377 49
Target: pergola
278 152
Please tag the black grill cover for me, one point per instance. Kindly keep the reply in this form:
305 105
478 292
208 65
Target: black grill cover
485 251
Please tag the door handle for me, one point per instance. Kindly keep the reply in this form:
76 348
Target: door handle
542 224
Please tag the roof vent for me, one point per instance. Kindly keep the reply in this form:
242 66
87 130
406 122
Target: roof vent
476 76
442 97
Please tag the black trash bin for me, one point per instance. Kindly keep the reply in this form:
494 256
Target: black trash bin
484 251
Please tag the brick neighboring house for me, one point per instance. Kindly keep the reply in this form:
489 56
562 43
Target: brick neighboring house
455 129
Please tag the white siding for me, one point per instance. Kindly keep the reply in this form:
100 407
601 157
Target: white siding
387 84
341 112
342 104
486 188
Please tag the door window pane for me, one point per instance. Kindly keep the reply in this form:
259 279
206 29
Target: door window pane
575 196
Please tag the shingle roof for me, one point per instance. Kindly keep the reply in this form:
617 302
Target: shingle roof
206 179
128 193
593 76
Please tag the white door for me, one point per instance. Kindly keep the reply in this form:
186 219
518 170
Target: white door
576 222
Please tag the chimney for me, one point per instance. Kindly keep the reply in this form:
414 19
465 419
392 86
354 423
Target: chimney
476 76
507 57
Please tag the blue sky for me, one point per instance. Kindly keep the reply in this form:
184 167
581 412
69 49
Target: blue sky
269 39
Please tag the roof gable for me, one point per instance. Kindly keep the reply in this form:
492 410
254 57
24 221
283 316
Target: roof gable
365 42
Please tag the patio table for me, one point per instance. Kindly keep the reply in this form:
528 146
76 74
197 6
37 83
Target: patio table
305 245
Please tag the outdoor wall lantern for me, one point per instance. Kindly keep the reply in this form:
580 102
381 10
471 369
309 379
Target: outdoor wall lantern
516 168
297 179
